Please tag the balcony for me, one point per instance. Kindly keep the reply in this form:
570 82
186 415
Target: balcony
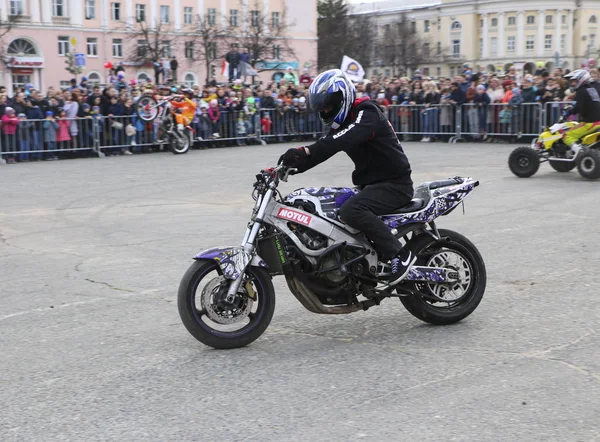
453 58
61 21
19 18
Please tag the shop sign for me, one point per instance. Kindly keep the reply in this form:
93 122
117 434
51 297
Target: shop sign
27 62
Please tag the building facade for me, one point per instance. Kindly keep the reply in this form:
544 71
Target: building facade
44 31
494 34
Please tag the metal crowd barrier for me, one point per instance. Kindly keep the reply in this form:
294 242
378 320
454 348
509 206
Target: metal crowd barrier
54 138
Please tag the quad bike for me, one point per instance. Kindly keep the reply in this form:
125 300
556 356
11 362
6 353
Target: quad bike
226 298
549 147
149 108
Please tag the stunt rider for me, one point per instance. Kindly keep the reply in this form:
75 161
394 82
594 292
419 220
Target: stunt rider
587 105
382 171
186 106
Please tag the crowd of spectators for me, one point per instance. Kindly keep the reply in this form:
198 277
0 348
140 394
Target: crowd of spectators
75 121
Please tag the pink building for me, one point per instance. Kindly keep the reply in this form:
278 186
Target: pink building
46 30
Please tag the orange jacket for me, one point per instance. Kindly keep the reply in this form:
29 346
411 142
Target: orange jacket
188 107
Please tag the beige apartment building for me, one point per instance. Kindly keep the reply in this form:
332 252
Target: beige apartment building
45 31
494 34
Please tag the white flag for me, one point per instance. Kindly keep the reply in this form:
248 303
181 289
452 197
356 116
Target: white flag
247 69
352 69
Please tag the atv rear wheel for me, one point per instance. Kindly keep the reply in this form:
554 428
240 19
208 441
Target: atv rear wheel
589 164
524 162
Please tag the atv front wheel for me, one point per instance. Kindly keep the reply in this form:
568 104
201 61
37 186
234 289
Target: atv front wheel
524 162
589 164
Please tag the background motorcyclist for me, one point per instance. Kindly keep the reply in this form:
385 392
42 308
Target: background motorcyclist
382 171
587 105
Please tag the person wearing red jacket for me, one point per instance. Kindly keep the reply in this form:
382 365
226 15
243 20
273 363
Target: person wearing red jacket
10 123
215 115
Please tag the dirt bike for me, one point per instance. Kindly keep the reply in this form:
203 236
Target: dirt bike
549 147
148 109
226 299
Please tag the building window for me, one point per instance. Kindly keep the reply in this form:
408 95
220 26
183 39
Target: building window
481 23
189 80
276 52
592 41
92 47
21 46
211 50
94 79
456 48
140 13
494 45
456 26
117 47
143 77
439 71
512 21
142 48
563 43
254 19
439 48
548 42
494 22
90 9
212 17
531 19
164 14
593 20
189 50
530 42
233 17
188 15
58 8
548 19
275 19
63 45
563 19
413 27
426 26
510 47
115 11
426 51
481 48
165 49
16 7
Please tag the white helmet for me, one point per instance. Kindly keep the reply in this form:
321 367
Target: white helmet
581 75
332 95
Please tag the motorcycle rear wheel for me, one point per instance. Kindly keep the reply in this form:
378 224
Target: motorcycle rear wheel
179 146
435 312
198 310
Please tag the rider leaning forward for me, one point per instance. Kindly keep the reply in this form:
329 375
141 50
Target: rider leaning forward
382 171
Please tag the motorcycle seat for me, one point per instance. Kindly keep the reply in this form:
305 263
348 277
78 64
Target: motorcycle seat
444 183
414 206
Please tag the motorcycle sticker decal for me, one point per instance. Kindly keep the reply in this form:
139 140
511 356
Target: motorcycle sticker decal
231 260
292 215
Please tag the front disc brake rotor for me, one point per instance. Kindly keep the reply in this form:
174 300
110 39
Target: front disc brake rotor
222 312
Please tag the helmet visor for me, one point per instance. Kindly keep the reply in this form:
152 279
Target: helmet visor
328 105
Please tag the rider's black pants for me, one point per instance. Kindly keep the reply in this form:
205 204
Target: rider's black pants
362 211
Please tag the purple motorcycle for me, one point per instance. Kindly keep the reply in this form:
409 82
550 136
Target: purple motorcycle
226 298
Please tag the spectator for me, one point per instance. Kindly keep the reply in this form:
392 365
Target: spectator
63 137
71 109
233 58
215 115
481 100
431 99
174 65
24 135
10 123
50 127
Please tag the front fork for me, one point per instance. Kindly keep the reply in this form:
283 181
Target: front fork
249 238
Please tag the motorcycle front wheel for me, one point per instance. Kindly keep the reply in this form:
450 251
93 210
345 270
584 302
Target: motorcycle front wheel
444 304
147 108
211 319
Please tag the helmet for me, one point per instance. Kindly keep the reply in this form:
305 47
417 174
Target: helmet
332 95
582 76
187 90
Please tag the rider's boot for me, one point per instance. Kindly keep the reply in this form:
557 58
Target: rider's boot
575 147
401 265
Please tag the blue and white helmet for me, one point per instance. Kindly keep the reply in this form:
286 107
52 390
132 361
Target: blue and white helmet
332 95
581 76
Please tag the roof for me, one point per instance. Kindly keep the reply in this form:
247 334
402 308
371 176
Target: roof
390 6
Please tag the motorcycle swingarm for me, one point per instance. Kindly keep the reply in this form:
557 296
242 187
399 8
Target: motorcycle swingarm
233 261
431 274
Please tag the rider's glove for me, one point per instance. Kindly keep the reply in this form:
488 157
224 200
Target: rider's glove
293 157
180 127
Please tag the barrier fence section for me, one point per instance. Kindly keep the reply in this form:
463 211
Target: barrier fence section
24 140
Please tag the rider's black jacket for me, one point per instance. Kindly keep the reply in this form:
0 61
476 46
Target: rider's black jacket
587 104
370 141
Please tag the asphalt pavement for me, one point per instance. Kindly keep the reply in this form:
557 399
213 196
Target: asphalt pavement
92 252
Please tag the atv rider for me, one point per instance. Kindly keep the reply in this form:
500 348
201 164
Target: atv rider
587 105
382 171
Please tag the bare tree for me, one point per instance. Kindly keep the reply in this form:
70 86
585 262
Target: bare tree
359 43
5 27
208 41
266 37
402 48
147 42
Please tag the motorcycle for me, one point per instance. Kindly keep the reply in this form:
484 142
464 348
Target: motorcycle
226 298
549 147
148 109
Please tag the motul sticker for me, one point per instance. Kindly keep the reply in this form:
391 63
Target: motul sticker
292 215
